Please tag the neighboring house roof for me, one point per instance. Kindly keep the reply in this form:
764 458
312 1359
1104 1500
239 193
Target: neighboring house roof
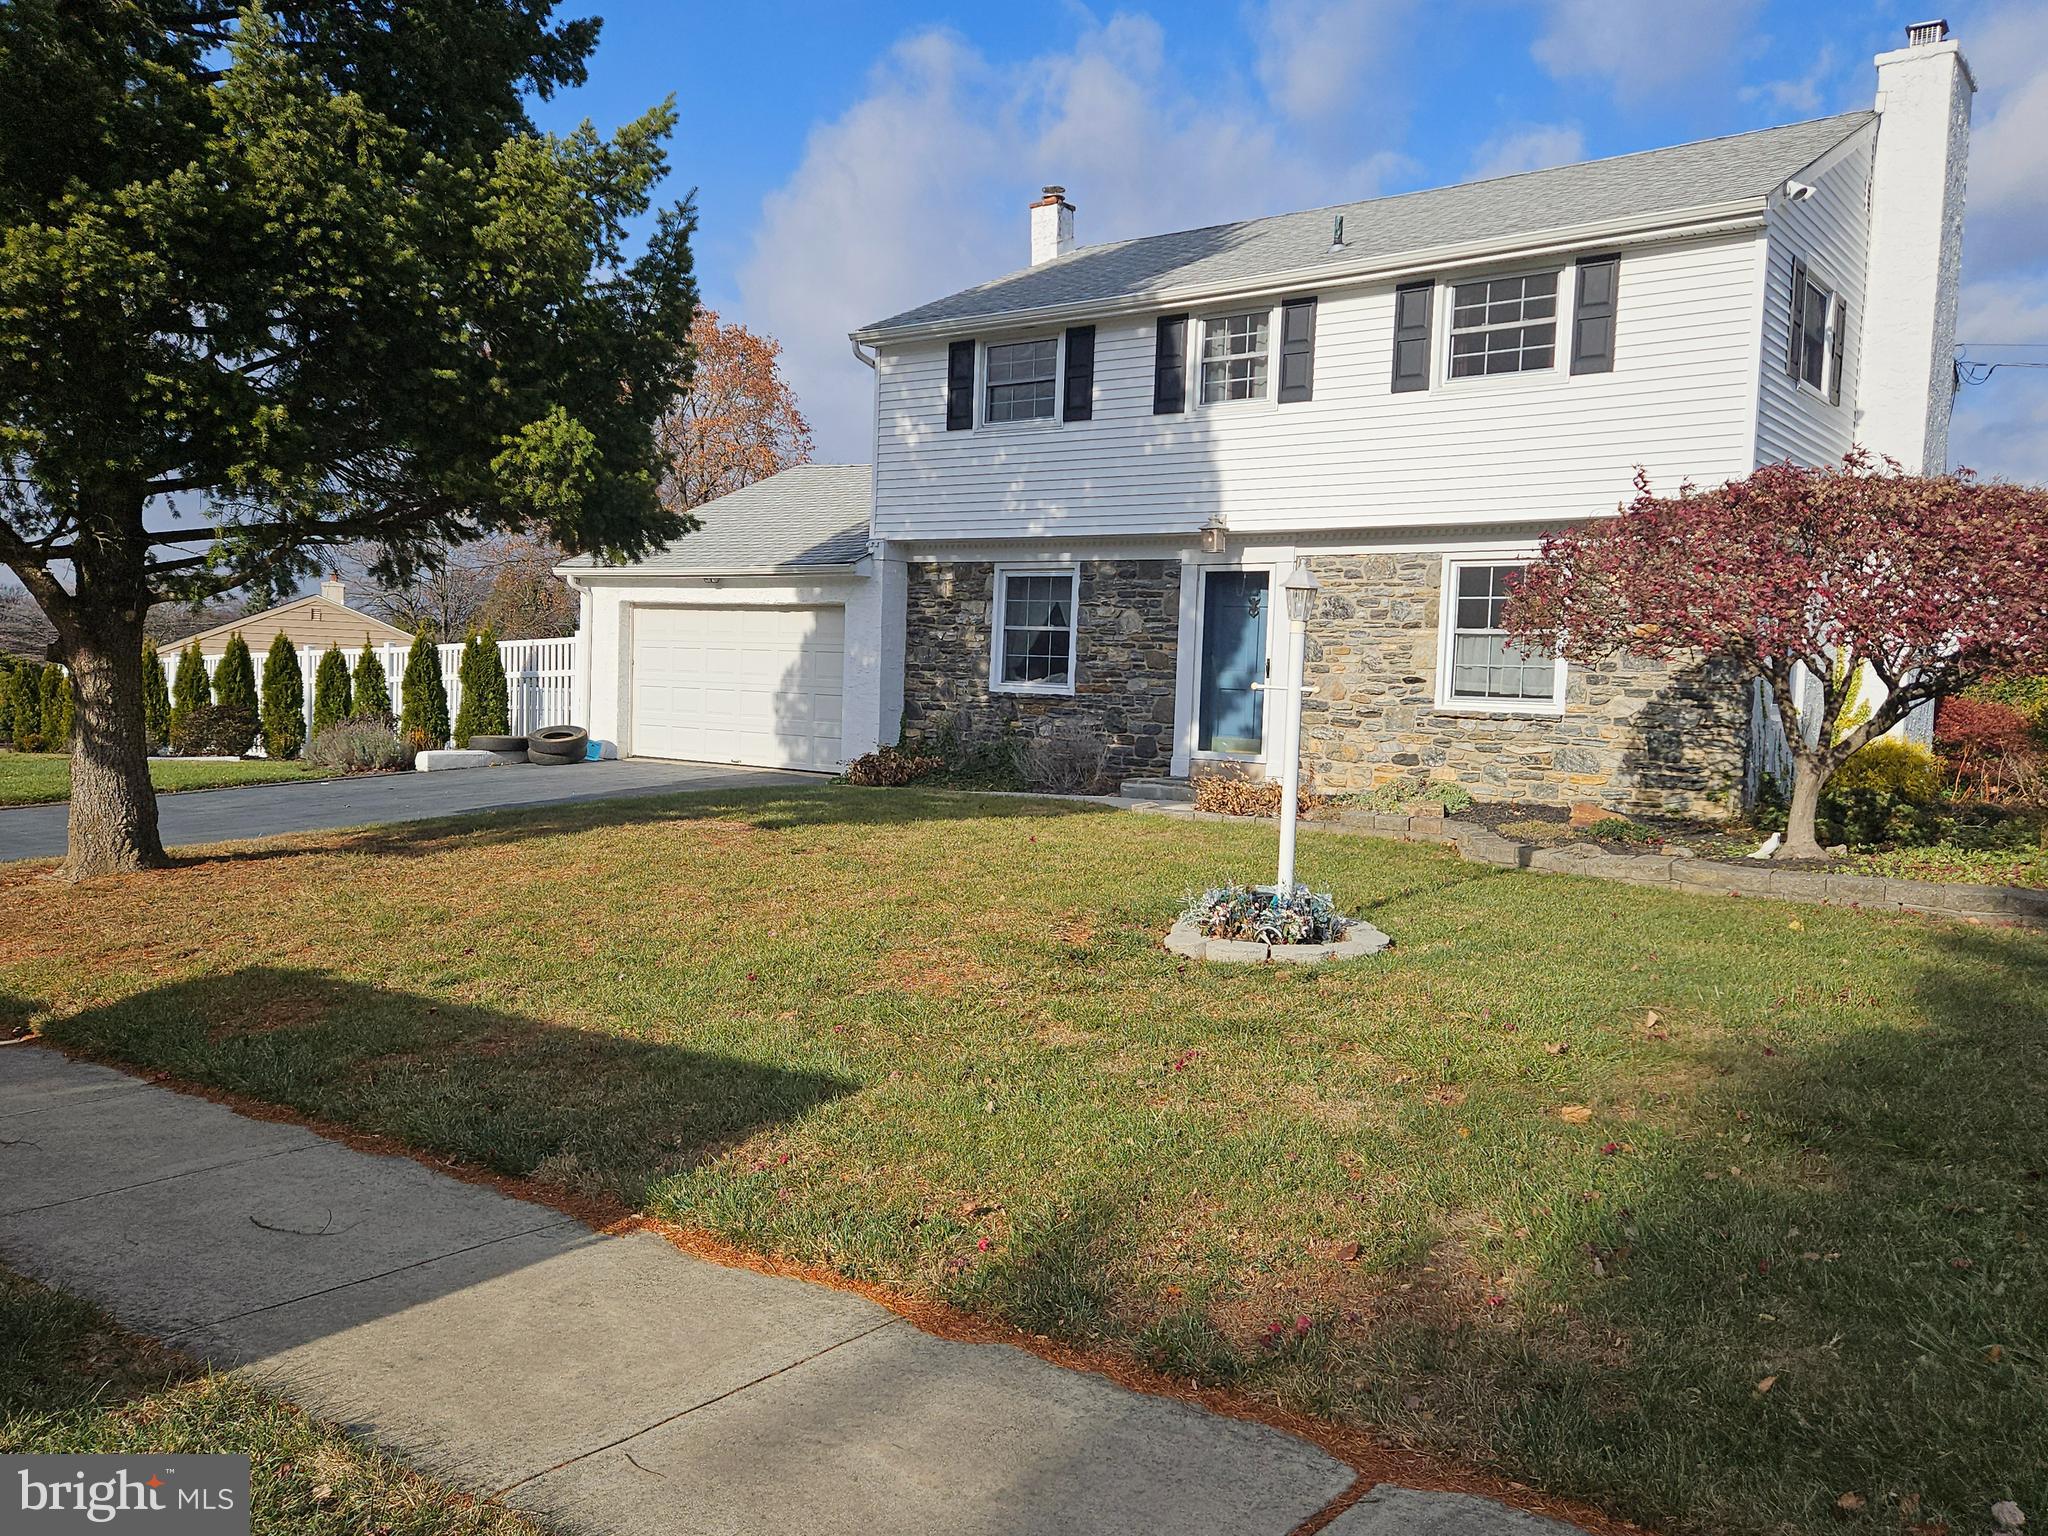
307 621
1743 167
812 516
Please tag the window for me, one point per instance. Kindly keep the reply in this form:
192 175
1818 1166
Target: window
1234 359
1503 325
1021 379
1487 665
1034 629
1813 338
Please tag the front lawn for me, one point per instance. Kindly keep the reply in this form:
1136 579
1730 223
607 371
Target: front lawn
1710 1211
73 1382
40 778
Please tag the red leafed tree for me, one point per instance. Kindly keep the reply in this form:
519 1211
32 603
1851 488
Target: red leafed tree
739 422
1930 580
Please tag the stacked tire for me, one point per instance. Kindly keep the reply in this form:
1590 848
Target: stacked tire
500 744
552 746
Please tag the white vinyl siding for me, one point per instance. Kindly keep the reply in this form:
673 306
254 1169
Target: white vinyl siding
1681 401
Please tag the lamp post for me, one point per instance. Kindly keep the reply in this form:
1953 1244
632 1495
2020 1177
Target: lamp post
1301 591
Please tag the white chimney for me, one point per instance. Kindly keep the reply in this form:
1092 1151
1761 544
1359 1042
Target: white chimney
332 589
1052 225
1905 385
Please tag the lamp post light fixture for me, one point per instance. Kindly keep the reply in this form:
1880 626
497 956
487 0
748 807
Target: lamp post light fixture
1301 589
1212 534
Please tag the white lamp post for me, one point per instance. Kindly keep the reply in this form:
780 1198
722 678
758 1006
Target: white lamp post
1301 591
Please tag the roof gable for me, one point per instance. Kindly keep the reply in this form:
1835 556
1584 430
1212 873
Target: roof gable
810 516
311 620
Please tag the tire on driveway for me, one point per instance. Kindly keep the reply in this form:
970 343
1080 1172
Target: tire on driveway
552 759
497 743
559 740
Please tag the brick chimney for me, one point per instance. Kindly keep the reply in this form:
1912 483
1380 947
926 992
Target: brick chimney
1052 225
1905 385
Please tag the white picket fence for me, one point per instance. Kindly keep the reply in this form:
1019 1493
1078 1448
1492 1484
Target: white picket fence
539 677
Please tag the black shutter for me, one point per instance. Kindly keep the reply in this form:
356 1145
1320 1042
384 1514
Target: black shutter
1795 344
1412 304
960 386
1593 314
1836 349
1170 367
1297 350
1079 401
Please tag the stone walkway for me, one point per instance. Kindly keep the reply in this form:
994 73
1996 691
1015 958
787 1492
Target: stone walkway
612 1383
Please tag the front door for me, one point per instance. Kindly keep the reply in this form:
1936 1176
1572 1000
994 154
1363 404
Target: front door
1233 707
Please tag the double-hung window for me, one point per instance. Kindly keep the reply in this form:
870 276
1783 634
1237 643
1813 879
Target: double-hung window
1487 666
1503 325
1022 377
1234 356
1035 623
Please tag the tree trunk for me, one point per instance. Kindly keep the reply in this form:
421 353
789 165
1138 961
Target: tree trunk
1800 841
113 807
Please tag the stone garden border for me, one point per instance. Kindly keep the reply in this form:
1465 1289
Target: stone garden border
1360 938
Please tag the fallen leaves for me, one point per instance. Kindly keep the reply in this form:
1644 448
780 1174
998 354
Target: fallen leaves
1574 1114
1557 1047
1765 1385
1849 1504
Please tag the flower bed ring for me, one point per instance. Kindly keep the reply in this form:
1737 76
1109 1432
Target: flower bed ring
1252 925
1186 938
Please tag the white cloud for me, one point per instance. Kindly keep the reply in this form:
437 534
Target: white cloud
1532 148
1798 97
921 187
1324 63
1644 51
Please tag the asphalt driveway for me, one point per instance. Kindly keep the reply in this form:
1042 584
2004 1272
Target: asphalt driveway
266 810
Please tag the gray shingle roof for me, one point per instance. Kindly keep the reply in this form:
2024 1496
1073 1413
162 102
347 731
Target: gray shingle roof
810 515
1710 172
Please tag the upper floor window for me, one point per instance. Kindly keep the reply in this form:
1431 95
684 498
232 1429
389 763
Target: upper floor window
1813 339
1487 665
1234 356
1503 325
1022 379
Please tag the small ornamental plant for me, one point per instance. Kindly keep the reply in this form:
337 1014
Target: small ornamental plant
234 679
284 700
25 707
1260 915
423 705
372 693
191 690
55 690
331 692
156 698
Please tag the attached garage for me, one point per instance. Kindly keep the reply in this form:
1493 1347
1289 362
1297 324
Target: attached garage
752 640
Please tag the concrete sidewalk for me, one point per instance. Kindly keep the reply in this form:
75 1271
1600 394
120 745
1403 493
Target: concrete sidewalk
612 1383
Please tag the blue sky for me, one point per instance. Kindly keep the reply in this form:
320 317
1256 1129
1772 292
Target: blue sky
853 159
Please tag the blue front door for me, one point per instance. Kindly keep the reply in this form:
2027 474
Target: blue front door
1233 705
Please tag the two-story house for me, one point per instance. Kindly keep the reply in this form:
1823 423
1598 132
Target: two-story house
1092 475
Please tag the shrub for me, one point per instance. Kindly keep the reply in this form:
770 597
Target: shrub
234 676
7 665
156 699
1886 793
2025 692
372 699
191 690
1898 768
284 700
423 707
1253 915
976 764
486 702
357 746
216 730
54 689
1619 829
1068 760
331 694
1398 795
25 706
890 767
1229 796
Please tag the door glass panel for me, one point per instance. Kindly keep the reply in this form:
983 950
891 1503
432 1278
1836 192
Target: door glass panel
1232 714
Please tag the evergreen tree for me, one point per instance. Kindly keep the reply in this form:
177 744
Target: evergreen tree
234 679
423 711
331 697
466 671
156 698
7 665
372 699
55 691
284 700
494 702
24 691
191 691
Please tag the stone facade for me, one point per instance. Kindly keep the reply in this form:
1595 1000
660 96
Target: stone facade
1126 649
1643 736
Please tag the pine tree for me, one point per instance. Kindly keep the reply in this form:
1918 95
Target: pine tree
423 711
156 698
494 702
191 691
234 678
284 700
331 698
372 699
24 689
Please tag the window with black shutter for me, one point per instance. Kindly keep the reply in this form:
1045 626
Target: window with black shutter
960 386
1170 366
1412 304
1078 402
1297 350
1838 331
1795 336
1593 314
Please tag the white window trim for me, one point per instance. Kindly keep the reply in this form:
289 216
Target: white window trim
1447 616
1199 328
1447 307
982 423
1816 278
1000 600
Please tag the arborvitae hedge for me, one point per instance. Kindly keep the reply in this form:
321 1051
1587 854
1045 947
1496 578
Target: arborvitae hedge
25 698
331 693
494 702
190 691
372 699
7 666
156 699
55 689
423 712
284 700
234 678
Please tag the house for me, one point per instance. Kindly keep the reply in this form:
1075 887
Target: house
1091 474
313 622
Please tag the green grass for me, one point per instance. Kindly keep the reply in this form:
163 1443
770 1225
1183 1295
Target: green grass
42 778
931 1039
1950 863
73 1382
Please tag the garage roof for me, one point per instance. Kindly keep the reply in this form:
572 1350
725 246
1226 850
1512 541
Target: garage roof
811 516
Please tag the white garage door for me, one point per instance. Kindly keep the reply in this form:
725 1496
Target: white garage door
739 685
